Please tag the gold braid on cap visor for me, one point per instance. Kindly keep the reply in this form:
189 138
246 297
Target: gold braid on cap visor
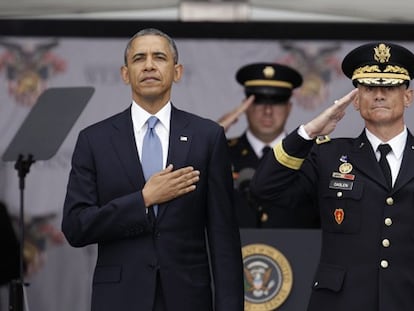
286 160
373 74
276 83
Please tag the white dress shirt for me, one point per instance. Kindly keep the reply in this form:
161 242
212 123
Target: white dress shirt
258 145
394 157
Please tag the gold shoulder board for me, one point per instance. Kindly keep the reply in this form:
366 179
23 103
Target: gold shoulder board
322 139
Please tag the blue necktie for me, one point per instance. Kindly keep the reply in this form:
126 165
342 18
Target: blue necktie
151 152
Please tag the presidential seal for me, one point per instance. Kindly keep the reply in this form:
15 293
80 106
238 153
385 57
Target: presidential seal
268 277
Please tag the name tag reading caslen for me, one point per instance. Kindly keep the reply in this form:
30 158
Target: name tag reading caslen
341 184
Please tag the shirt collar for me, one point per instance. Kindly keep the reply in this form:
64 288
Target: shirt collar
258 145
140 116
397 143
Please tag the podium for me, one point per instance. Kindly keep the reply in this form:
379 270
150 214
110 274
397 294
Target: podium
279 266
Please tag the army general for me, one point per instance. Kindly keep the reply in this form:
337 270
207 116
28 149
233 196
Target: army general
364 186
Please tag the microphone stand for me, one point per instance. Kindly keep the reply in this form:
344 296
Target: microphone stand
258 208
16 294
259 215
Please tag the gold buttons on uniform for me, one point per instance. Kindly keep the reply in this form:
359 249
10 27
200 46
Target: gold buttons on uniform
386 243
388 221
384 264
389 201
265 217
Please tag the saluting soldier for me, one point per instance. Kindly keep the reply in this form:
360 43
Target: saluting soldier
365 194
268 89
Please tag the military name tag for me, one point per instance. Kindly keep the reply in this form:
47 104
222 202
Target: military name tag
341 184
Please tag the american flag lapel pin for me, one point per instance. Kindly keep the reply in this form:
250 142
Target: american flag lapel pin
183 138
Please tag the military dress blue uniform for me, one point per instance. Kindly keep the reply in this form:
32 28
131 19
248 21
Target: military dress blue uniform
367 253
271 84
367 257
253 214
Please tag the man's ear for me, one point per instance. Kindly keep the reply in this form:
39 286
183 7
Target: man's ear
408 98
356 102
178 72
124 74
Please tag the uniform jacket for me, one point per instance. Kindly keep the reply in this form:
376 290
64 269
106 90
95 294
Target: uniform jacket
367 254
104 205
251 213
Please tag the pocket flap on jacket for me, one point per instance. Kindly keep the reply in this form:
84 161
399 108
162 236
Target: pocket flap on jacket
329 277
107 274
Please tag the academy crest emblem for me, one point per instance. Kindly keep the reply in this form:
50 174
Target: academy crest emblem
28 69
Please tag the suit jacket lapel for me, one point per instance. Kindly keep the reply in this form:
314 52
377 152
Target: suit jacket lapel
123 139
179 145
406 172
180 138
363 158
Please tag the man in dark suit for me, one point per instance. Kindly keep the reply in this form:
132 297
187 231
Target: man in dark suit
268 89
366 198
165 241
9 268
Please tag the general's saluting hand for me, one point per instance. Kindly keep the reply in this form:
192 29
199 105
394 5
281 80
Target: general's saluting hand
326 122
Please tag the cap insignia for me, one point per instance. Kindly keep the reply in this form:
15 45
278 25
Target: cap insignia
382 53
372 75
366 69
396 69
269 72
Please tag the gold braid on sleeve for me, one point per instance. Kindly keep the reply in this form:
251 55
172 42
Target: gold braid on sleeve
285 159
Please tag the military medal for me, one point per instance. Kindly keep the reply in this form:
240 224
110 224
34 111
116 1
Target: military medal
345 168
343 176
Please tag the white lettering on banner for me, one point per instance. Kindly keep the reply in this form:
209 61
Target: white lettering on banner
208 88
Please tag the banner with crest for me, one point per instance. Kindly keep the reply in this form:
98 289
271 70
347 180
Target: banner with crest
60 276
